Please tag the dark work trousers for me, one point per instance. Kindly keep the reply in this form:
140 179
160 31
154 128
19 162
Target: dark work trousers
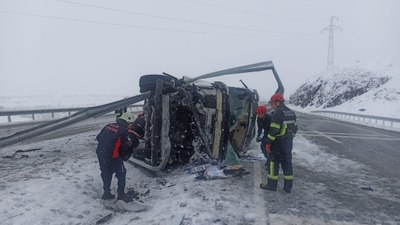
281 154
110 166
264 151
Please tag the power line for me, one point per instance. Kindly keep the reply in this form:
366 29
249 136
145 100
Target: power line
122 25
174 18
242 10
228 8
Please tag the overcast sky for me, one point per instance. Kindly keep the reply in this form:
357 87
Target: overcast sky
103 47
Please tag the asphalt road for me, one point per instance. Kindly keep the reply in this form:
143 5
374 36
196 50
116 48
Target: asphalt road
371 146
346 174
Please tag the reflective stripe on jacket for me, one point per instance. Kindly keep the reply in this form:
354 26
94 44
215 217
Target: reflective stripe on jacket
283 123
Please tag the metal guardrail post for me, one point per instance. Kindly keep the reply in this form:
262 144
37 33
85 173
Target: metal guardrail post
9 118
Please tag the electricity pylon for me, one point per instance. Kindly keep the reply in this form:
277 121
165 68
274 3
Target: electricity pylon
331 28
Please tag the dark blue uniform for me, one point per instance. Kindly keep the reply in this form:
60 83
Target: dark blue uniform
263 125
283 129
113 143
138 126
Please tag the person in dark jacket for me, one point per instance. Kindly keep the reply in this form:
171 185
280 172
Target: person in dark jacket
263 124
138 126
113 147
280 143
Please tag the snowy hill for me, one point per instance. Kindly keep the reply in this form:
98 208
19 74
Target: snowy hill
370 87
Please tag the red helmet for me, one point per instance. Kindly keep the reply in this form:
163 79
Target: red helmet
277 97
261 109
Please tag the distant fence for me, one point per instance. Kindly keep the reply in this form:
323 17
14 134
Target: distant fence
52 111
385 121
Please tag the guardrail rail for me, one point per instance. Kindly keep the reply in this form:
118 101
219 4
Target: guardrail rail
34 112
385 121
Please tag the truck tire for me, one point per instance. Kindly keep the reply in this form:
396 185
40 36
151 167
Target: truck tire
148 82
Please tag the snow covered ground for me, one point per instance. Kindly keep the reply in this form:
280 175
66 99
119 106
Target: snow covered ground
60 184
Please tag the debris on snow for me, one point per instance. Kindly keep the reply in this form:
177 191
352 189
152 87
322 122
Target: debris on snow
213 172
19 151
367 188
104 219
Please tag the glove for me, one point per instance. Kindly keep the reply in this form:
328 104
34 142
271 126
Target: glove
125 155
258 139
268 147
265 147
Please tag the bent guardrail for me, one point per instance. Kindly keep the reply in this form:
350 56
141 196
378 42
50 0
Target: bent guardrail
360 117
34 112
81 115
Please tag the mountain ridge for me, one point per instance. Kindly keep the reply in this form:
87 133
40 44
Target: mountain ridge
369 87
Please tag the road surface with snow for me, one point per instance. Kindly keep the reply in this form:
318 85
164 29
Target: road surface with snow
335 183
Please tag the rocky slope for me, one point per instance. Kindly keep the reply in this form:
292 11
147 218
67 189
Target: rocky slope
334 87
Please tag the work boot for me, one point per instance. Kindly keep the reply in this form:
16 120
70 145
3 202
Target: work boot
107 196
271 185
287 185
124 197
132 193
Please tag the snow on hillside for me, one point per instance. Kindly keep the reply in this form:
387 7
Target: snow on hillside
382 101
369 87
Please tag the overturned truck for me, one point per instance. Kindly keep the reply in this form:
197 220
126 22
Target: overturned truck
189 118
184 118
